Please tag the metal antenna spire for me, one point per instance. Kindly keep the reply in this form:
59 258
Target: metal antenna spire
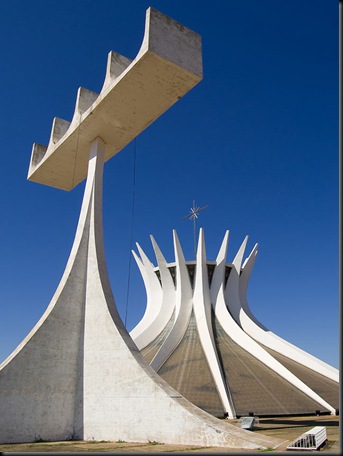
193 215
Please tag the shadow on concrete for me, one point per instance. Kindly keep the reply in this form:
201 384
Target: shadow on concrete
295 423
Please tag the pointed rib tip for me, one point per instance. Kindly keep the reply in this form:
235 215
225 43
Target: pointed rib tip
154 245
175 236
137 258
201 250
139 248
144 256
244 244
177 246
223 248
254 250
252 256
133 251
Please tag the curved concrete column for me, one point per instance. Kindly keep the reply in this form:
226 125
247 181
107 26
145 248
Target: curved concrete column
225 318
227 302
79 365
41 381
184 292
78 374
234 303
229 311
230 326
183 308
260 333
247 268
216 285
166 278
168 288
219 271
203 316
141 333
165 297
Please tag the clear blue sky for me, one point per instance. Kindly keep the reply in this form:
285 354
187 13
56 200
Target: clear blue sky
256 140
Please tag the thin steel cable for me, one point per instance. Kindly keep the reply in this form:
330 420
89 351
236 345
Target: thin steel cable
132 225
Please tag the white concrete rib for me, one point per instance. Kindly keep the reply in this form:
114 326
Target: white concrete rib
160 299
142 333
227 305
203 316
78 374
183 308
79 364
168 289
260 333
216 285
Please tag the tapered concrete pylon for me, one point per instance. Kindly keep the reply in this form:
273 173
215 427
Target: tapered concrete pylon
78 373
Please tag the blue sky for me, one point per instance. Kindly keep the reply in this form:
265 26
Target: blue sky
256 141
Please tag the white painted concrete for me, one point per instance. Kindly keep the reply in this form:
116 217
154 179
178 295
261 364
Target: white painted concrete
245 318
183 308
156 317
227 307
203 317
78 374
144 332
134 94
226 301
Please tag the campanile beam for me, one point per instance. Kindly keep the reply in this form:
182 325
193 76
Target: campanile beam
134 94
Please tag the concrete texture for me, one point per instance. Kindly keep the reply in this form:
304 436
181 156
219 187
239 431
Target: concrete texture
134 94
206 353
285 429
78 374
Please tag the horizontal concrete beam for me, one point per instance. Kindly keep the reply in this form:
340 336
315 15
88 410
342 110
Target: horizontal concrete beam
134 94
